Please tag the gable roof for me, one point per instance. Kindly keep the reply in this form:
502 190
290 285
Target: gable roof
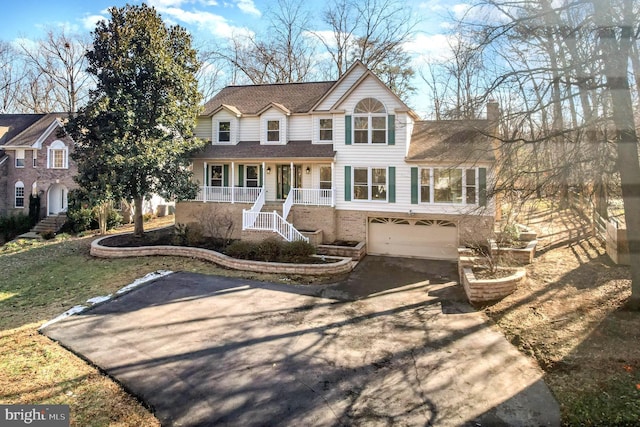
15 124
460 141
253 99
29 128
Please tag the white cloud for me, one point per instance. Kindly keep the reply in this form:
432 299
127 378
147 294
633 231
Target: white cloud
215 24
460 10
89 22
429 47
249 7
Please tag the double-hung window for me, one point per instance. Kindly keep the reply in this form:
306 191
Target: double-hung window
19 158
57 156
370 184
369 122
252 176
224 131
217 176
273 130
326 130
19 194
325 178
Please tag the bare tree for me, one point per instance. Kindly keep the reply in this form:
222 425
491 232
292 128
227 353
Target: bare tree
60 59
9 77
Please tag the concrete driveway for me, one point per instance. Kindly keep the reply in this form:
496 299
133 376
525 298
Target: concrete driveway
205 350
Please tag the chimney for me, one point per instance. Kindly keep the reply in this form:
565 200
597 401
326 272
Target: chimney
493 111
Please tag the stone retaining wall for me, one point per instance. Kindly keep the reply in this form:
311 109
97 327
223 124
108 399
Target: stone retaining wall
343 265
489 289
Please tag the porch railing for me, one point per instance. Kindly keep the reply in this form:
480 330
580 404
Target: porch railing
312 196
250 216
228 194
271 221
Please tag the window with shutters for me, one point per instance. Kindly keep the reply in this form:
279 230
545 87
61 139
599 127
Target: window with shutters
448 186
370 184
217 176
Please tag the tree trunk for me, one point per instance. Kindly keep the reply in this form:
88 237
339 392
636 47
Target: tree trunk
615 55
138 223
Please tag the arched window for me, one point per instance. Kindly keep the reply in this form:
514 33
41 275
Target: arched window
19 194
369 122
57 156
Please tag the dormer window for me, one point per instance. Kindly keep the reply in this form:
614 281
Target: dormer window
273 130
369 122
224 131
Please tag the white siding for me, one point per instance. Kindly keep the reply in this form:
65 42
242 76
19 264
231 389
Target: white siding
203 128
300 128
341 89
249 129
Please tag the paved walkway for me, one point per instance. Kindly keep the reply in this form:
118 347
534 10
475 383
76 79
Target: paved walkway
204 350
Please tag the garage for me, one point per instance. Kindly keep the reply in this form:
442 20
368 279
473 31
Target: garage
407 237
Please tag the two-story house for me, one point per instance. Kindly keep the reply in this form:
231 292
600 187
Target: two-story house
34 159
346 157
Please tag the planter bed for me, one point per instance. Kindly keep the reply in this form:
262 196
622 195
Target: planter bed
518 255
340 266
484 290
356 252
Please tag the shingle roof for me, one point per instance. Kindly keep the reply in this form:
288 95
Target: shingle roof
16 123
460 141
27 128
253 150
251 99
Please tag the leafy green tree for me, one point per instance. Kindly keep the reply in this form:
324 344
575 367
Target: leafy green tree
134 136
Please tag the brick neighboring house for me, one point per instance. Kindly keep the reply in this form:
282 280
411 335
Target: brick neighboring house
34 160
346 158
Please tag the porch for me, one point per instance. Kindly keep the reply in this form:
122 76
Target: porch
257 183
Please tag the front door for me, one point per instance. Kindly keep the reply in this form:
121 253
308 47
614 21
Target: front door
57 199
283 175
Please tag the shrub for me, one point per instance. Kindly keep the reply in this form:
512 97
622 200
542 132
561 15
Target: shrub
14 225
194 235
48 235
297 251
269 249
242 249
82 216
180 235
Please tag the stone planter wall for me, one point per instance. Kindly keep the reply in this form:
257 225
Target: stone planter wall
484 290
519 256
341 266
315 237
356 253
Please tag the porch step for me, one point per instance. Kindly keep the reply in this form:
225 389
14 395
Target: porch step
51 223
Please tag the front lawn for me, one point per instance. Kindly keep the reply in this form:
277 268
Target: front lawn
40 281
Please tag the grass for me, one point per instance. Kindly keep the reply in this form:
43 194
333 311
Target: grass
42 280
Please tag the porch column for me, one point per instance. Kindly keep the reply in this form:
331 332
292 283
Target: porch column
264 175
233 182
333 184
204 182
292 172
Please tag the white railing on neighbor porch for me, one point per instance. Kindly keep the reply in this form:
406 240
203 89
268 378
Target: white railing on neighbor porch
228 194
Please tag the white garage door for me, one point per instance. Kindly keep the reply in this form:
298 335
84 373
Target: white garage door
435 239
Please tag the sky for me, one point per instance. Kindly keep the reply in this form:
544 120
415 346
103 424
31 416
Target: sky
212 21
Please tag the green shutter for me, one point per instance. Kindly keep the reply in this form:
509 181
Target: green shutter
414 186
260 177
392 184
225 172
347 130
391 133
240 176
347 183
206 175
482 186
